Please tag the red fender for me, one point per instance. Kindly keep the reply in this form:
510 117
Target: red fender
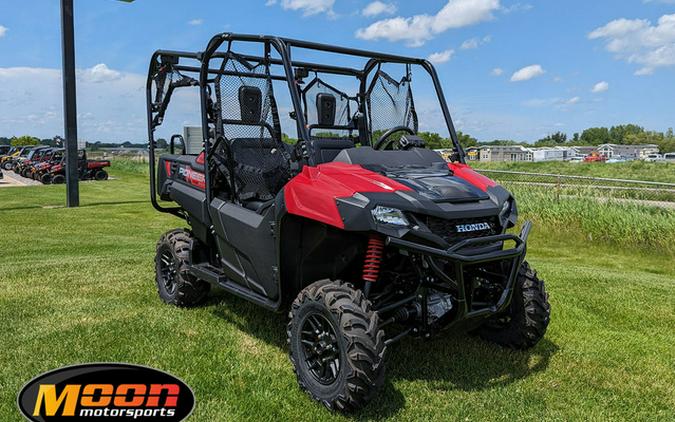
313 192
463 171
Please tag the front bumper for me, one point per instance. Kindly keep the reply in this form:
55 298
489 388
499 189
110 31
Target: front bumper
471 252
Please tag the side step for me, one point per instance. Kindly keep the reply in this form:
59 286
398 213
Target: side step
213 275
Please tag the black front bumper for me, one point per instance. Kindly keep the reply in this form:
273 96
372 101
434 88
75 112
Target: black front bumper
471 252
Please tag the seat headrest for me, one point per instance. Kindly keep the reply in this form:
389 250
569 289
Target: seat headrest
250 104
325 105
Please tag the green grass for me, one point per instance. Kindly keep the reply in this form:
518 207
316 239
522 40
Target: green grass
635 170
76 285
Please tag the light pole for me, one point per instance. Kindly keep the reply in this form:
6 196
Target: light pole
70 102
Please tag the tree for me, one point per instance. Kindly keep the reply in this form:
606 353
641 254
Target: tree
558 138
162 144
595 136
619 134
24 140
466 140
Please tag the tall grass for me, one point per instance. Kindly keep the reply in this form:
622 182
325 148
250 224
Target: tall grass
621 224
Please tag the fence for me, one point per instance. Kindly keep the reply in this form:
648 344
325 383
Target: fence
597 187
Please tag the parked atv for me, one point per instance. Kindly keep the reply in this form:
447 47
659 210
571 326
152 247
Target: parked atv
23 166
40 171
361 245
8 161
87 170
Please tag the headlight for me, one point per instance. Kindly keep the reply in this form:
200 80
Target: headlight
506 209
390 216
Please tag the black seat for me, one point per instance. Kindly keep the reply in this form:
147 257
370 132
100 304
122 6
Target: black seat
325 149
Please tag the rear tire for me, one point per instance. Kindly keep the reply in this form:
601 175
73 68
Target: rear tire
7 165
59 179
174 285
25 173
336 346
526 321
101 175
46 178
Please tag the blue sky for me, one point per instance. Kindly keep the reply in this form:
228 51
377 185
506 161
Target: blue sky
511 69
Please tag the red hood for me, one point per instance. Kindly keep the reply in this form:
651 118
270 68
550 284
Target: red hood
312 193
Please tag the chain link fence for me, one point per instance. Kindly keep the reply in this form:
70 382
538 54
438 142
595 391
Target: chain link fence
562 186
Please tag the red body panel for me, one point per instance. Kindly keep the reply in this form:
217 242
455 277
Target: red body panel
465 172
313 192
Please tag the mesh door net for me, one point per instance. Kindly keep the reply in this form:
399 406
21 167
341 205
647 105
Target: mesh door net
310 97
390 103
249 123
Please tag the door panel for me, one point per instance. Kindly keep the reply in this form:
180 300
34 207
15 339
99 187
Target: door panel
247 246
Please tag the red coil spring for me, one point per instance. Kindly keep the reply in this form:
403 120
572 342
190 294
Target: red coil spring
373 259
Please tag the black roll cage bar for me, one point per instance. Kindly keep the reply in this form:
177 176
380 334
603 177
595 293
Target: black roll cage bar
283 46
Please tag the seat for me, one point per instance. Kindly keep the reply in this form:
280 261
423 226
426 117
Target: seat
325 149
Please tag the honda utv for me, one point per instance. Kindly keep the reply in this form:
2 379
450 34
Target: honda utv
86 170
358 230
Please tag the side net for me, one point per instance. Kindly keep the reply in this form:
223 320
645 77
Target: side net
390 103
249 123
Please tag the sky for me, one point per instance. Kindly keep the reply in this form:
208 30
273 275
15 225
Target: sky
511 69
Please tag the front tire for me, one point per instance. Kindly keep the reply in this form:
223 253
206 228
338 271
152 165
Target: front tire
46 178
58 179
336 346
7 165
525 322
174 285
101 175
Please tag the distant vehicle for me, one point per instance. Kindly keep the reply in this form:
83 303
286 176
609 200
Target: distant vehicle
576 160
669 157
594 157
655 158
615 160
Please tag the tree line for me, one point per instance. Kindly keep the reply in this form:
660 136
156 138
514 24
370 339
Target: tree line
629 134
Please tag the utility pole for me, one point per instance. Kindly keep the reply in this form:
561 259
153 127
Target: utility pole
69 103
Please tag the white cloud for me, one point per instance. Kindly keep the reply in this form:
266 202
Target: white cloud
517 7
475 42
31 100
3 31
99 73
600 87
270 2
441 56
195 22
527 73
497 71
379 8
308 7
573 100
559 103
418 29
640 42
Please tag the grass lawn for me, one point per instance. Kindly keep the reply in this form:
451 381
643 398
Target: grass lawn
77 286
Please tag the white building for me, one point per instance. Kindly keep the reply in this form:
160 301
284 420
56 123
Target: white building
548 154
628 151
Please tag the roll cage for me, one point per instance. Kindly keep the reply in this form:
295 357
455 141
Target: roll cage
204 76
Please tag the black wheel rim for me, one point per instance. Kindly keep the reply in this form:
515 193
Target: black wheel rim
167 271
320 348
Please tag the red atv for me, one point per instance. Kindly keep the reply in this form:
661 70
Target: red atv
87 170
40 171
358 231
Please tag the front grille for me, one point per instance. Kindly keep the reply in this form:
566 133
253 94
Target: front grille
447 229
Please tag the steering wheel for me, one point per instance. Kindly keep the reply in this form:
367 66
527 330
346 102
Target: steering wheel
384 141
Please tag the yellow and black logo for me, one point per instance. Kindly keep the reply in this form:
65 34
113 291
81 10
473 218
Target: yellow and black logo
106 391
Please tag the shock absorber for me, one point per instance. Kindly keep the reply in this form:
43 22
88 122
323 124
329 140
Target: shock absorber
373 258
